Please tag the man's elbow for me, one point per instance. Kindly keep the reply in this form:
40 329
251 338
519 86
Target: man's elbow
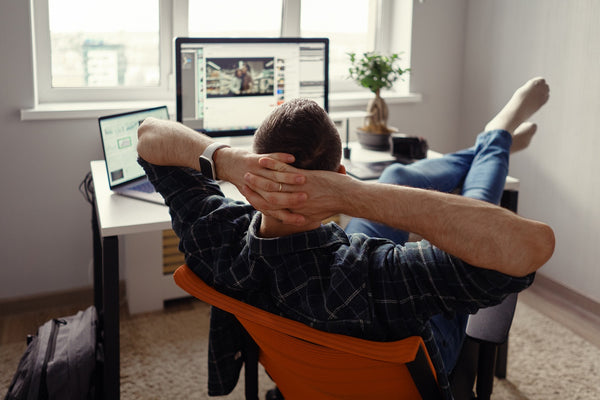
542 243
144 138
549 242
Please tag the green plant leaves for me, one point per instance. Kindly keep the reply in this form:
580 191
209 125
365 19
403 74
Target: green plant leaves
375 71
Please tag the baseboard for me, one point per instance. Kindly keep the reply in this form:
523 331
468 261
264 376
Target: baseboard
80 297
550 287
575 311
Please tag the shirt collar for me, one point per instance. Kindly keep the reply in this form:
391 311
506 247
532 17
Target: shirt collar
324 236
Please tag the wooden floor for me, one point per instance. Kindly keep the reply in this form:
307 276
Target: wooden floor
576 313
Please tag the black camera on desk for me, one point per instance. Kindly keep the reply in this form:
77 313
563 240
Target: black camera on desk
408 147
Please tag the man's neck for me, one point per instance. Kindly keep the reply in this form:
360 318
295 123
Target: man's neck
271 227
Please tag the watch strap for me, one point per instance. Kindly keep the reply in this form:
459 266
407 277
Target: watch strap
208 155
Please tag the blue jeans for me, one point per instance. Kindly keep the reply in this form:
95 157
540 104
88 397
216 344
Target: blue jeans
480 173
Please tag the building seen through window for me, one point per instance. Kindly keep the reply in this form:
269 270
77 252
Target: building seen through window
104 43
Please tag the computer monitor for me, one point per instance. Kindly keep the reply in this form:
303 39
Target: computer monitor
227 86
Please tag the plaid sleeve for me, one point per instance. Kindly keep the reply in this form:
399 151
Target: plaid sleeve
183 189
193 202
418 280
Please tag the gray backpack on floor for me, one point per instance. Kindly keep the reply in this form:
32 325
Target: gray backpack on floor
60 360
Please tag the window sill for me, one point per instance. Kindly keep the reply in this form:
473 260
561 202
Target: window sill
360 99
80 110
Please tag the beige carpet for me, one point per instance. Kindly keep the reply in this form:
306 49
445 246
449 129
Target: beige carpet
163 356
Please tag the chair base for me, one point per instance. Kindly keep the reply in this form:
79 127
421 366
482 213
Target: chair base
478 362
274 394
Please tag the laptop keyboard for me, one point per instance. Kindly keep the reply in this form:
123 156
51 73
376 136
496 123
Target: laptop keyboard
146 187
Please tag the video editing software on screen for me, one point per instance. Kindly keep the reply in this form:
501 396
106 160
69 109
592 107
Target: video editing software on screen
226 87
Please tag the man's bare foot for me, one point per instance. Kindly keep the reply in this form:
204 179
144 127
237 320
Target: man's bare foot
522 137
523 104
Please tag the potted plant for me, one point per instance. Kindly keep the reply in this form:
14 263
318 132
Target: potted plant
375 72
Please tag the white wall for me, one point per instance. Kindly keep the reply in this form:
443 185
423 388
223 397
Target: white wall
45 239
46 242
467 58
508 42
438 30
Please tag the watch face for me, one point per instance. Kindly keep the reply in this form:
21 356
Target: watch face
206 167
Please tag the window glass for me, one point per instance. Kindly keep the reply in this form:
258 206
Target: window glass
345 23
104 43
234 18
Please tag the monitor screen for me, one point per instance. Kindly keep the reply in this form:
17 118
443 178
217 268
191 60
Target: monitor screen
227 86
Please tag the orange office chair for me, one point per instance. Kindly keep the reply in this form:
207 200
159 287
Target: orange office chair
306 363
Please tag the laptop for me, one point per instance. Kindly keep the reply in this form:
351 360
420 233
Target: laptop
119 142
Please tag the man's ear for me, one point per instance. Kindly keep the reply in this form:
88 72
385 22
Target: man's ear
342 169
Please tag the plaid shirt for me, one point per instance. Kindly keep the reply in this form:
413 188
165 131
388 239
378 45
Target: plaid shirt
349 284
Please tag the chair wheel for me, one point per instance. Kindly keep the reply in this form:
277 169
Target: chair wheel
274 394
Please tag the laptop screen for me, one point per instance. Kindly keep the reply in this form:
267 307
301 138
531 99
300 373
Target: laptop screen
119 142
227 86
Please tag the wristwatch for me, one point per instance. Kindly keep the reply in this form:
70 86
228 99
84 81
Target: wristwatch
207 165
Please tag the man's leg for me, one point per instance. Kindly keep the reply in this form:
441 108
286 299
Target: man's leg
487 175
485 181
484 169
449 172
442 174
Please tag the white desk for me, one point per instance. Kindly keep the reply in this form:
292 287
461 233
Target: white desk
139 225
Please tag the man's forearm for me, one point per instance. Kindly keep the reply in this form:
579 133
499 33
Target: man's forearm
479 233
168 143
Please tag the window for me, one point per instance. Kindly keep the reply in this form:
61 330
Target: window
119 50
352 30
234 18
100 50
102 47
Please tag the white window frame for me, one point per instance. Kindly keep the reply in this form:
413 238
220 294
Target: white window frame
293 29
174 22
42 60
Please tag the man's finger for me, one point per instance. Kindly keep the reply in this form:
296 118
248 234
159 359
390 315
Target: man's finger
275 165
265 201
272 183
279 171
283 157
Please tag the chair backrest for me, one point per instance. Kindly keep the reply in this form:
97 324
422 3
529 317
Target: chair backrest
306 363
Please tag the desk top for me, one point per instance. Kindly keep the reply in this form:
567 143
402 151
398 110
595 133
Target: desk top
120 215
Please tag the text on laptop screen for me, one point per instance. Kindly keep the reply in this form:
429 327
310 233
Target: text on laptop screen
119 139
226 87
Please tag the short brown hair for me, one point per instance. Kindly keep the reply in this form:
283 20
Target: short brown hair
302 128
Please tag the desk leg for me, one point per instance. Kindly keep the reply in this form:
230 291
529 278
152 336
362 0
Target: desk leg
510 200
97 244
106 301
110 263
98 301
